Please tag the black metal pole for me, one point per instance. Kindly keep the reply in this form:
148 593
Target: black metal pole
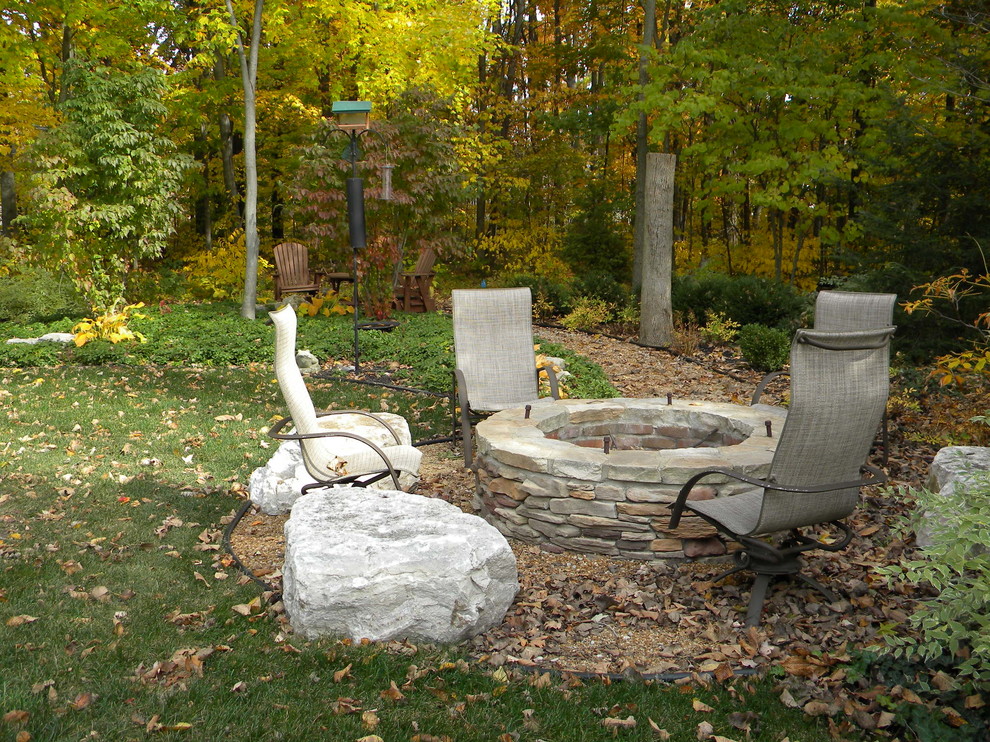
355 223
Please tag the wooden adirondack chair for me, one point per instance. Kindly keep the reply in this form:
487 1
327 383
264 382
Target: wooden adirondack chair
292 273
412 288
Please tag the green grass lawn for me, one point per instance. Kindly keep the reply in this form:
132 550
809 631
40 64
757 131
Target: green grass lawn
122 618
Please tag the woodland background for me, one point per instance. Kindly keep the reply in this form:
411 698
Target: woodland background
816 142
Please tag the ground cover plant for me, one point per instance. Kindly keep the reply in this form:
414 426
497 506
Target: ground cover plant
122 618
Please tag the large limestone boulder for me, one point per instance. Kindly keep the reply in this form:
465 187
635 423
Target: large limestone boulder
276 485
952 468
383 564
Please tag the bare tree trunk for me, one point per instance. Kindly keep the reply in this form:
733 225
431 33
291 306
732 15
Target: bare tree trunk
642 146
249 76
656 326
8 200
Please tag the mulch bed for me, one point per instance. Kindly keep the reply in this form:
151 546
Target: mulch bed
595 614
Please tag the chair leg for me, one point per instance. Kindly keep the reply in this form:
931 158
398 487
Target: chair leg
738 568
466 440
756 598
832 597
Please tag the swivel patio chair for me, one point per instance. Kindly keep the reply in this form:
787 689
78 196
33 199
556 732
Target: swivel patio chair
334 457
839 385
494 356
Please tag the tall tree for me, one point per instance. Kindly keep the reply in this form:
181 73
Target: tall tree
249 78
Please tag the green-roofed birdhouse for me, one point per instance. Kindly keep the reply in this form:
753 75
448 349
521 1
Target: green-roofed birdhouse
352 115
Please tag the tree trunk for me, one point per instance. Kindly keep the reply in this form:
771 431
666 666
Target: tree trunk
249 76
642 146
227 146
8 200
656 326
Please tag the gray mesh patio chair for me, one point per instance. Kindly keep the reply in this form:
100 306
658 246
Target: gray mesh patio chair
334 457
839 384
495 363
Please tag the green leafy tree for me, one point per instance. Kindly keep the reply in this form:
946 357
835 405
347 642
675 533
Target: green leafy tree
103 195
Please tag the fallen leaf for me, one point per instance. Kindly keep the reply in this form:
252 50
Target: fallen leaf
341 674
615 724
705 731
16 621
16 717
701 707
392 693
975 702
83 701
661 734
953 717
816 708
942 681
370 720
23 736
744 721
788 700
238 687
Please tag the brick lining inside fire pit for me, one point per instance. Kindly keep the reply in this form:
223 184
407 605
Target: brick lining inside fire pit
597 475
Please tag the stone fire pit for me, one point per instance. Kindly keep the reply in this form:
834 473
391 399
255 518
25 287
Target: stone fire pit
548 479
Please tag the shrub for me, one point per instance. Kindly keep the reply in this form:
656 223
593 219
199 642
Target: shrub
764 348
588 313
37 295
219 273
719 330
743 299
955 623
112 325
556 294
599 285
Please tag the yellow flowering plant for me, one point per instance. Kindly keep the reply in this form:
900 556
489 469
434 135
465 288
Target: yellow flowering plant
110 326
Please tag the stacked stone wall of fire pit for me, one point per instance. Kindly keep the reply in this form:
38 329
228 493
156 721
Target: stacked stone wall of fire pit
547 479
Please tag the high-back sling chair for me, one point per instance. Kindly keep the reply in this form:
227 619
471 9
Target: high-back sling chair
839 384
334 457
495 363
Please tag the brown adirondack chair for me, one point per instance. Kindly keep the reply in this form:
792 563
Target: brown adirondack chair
412 288
292 273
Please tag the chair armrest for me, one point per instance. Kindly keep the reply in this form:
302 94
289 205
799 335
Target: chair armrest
552 378
677 508
762 386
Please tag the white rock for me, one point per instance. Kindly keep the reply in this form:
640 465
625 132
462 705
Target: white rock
58 337
307 362
276 485
383 564
952 468
51 337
